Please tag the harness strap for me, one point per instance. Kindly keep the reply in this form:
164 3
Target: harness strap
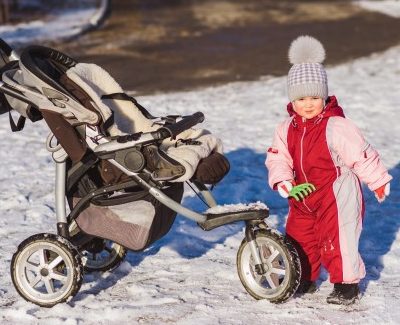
123 96
21 121
20 124
109 122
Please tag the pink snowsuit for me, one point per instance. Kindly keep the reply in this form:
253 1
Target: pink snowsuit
330 152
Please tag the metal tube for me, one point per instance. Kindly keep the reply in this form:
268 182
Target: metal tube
206 194
251 240
60 192
160 196
209 198
164 199
13 93
254 252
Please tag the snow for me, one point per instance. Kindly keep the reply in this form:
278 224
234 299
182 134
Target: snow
236 208
59 25
189 276
387 7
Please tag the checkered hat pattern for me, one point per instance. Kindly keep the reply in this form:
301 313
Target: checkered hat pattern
307 76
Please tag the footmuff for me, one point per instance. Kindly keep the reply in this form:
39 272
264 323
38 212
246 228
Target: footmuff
212 169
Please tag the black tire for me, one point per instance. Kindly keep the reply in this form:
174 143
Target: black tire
50 261
282 264
107 259
98 255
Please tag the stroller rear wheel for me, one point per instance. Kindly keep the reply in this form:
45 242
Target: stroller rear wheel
99 255
102 255
281 264
46 269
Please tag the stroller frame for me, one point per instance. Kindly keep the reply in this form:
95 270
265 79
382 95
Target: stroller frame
264 255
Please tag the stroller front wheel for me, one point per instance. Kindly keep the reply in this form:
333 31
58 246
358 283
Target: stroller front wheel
46 269
281 264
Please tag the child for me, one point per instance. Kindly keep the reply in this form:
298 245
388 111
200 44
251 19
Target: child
317 160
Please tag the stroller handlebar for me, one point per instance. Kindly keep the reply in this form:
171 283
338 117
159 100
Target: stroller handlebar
172 130
131 140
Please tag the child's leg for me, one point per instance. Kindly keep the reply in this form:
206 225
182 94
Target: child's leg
300 229
339 227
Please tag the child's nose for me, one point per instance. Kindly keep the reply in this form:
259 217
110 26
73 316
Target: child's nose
309 103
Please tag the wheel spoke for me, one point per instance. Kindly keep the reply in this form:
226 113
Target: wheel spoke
58 276
270 281
55 262
274 270
42 257
49 285
30 266
273 256
35 281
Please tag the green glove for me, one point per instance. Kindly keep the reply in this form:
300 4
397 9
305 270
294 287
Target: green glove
299 192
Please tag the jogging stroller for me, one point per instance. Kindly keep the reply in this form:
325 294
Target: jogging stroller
121 189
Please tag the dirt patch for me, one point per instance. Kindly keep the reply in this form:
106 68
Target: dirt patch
152 45
314 11
221 14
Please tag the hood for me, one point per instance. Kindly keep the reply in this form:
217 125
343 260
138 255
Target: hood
331 109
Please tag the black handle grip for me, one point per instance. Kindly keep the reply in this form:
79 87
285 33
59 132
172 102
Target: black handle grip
187 122
5 47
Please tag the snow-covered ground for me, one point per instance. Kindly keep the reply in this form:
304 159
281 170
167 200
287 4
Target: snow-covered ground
189 276
387 7
59 24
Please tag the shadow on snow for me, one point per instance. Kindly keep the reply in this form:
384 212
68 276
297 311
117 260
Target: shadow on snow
381 225
247 182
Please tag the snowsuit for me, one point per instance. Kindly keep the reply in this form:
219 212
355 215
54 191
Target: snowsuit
330 152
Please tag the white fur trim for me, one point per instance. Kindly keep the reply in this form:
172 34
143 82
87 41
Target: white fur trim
190 155
129 119
96 82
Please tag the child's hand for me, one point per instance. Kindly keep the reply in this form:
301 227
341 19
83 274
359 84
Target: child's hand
285 187
288 189
299 192
382 192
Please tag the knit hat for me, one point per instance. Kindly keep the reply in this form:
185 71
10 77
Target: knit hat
307 76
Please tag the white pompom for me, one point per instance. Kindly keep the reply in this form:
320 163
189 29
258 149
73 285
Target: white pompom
306 49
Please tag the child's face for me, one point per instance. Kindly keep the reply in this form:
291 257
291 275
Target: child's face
308 107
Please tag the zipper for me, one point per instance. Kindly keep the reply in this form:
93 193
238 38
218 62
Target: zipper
301 164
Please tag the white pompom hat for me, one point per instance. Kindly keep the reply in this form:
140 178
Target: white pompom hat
307 76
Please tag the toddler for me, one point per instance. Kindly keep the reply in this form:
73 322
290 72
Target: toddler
317 160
